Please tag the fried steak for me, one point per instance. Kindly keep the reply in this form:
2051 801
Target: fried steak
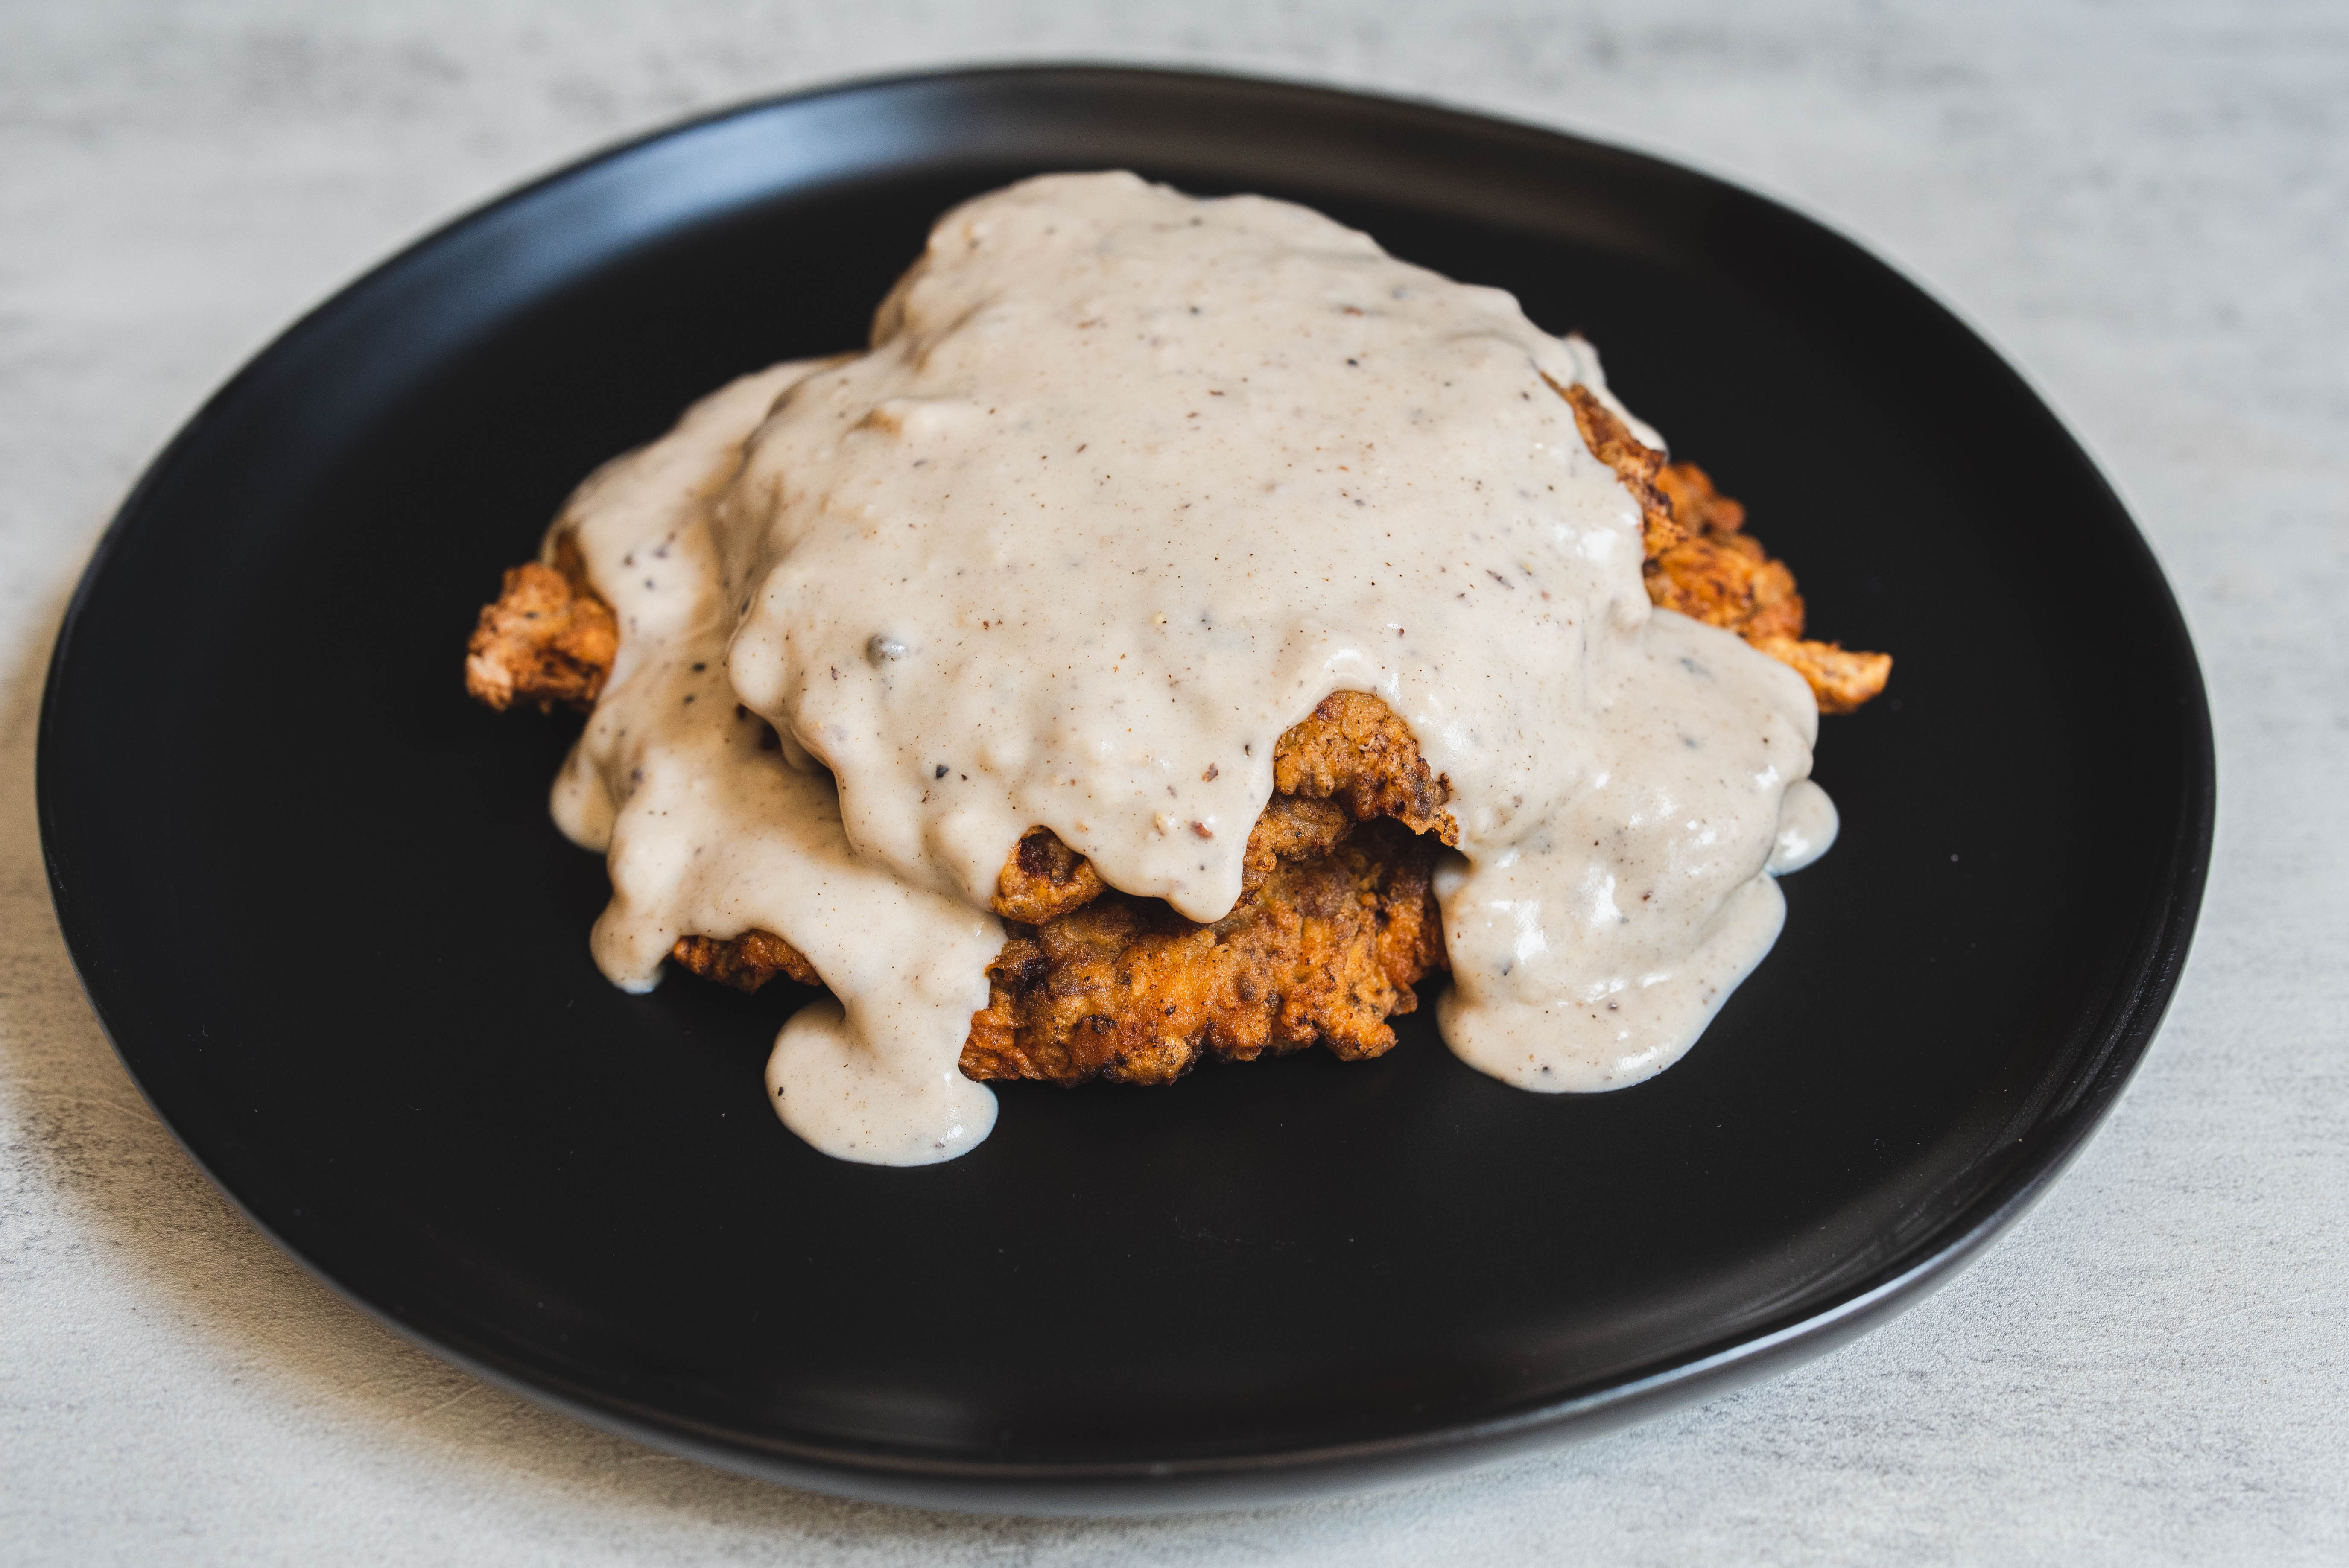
1336 920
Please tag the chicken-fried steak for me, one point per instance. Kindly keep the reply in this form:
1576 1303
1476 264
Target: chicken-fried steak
1336 920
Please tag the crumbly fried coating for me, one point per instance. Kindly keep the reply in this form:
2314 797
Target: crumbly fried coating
1102 989
1840 679
746 962
1635 463
1334 923
1701 563
1719 574
1727 581
1293 828
548 639
1323 950
1700 508
1351 757
1352 748
1043 878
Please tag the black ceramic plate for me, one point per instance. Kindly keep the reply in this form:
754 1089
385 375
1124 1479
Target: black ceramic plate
315 895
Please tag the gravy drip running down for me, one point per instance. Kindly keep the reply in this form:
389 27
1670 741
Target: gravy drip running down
1128 483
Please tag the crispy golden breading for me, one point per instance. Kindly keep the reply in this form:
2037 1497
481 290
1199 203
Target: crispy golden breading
1636 464
1353 749
1720 575
1700 508
1727 581
1043 878
1350 753
1336 920
1334 923
1840 680
1701 565
1324 947
1324 950
1289 829
549 638
746 962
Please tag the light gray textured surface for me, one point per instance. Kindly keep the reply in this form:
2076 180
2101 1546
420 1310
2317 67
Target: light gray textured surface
2147 206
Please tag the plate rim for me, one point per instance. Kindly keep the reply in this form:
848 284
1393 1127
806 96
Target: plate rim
2151 973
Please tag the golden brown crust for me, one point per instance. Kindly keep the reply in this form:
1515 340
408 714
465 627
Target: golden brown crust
1324 948
1701 562
1727 581
548 639
1334 924
1700 508
1720 575
1353 749
746 962
1348 761
1044 878
1634 462
1324 951
1840 679
1291 828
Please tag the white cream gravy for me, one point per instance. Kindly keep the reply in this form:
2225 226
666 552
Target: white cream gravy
1126 485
